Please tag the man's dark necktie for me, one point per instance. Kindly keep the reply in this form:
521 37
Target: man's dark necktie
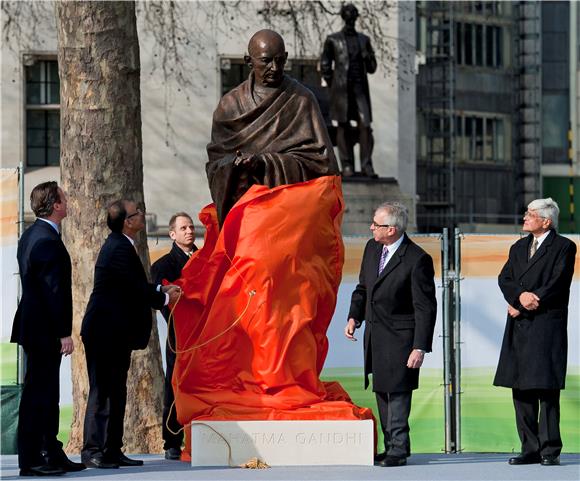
533 248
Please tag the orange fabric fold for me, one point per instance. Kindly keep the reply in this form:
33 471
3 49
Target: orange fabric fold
257 301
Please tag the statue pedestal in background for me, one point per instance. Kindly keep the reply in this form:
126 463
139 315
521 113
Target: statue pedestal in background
362 196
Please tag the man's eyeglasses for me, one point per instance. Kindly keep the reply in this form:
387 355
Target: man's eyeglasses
531 215
376 226
137 212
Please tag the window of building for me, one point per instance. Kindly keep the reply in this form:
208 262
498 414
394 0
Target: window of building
42 114
234 71
481 8
482 140
555 115
479 45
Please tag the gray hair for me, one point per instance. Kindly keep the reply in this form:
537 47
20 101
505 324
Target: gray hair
397 215
546 209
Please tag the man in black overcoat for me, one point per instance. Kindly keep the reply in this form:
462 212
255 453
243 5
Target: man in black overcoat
535 282
168 267
117 321
347 58
43 326
396 297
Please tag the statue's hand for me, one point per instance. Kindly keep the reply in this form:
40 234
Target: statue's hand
247 161
242 158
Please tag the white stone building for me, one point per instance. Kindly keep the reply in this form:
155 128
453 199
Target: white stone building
177 119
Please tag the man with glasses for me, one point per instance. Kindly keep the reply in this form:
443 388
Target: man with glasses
267 131
535 283
396 297
117 321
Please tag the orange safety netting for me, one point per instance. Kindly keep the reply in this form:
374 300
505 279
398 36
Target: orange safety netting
257 300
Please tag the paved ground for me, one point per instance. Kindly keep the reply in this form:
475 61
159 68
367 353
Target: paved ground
431 467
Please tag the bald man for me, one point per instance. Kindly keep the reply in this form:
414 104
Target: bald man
267 131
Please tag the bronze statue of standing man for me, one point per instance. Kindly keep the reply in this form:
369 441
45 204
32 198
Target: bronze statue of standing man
346 60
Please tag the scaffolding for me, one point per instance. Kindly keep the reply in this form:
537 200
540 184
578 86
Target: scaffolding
436 174
528 111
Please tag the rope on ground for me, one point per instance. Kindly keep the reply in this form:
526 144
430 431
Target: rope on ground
254 463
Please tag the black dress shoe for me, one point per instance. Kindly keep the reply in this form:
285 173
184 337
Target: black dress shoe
390 461
380 457
347 171
67 465
71 467
524 459
550 461
99 463
125 461
43 470
173 454
370 173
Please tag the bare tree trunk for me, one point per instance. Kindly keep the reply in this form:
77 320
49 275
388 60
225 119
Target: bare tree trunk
98 57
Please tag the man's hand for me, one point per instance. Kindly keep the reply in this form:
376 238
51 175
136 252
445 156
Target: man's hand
170 287
349 329
66 345
173 292
513 312
415 359
529 300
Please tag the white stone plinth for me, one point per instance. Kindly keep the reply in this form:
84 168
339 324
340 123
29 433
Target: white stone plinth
283 443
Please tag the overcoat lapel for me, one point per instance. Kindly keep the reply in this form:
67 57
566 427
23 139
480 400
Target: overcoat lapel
394 261
539 253
373 262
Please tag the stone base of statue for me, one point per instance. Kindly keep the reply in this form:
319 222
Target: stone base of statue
362 195
282 443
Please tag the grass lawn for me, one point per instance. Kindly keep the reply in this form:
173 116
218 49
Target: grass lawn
65 423
487 413
8 363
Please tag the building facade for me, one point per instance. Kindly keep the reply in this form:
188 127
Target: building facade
177 111
496 106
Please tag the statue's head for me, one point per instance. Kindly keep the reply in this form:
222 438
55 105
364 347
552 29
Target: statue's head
349 14
266 57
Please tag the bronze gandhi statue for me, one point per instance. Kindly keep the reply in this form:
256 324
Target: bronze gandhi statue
268 130
346 60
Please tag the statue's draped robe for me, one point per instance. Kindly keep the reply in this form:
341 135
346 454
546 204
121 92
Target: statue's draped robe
286 128
259 295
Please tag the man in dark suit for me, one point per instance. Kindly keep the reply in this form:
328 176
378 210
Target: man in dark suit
42 326
168 267
535 282
396 298
346 60
117 321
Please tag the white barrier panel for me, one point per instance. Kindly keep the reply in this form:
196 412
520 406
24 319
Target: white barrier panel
282 443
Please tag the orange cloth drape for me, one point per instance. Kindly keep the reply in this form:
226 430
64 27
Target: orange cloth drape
257 300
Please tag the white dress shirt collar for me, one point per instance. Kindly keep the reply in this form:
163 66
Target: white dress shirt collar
130 240
542 238
51 223
395 245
